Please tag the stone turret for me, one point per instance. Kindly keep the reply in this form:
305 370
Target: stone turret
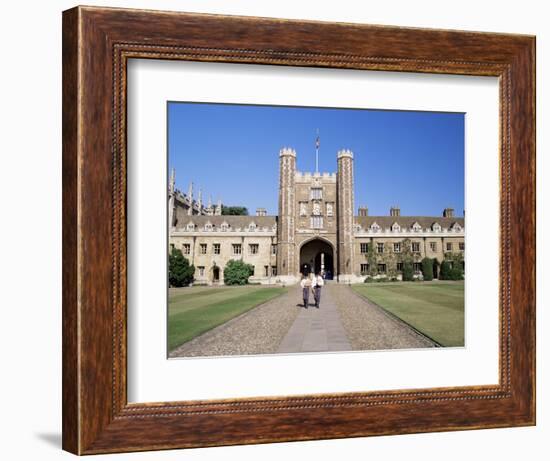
345 203
171 198
190 198
218 210
286 247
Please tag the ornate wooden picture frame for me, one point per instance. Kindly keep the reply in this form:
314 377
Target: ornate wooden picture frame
97 44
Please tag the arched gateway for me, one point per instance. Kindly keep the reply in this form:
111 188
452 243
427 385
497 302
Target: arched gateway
317 255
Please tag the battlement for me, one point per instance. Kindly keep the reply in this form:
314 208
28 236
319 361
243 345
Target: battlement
345 153
287 151
308 176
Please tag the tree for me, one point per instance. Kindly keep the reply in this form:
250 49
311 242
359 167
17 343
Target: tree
234 210
180 272
371 259
445 272
407 257
236 272
456 271
435 268
389 258
427 269
408 271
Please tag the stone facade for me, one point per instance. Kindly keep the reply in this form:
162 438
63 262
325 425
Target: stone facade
316 229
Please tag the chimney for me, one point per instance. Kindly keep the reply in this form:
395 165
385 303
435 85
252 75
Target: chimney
448 213
261 212
395 211
363 211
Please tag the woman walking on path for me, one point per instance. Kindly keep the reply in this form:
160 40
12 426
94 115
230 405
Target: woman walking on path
306 286
318 283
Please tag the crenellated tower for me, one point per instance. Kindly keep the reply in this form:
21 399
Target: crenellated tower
344 192
286 227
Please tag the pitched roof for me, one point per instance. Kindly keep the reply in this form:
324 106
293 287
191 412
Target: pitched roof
364 221
233 221
408 221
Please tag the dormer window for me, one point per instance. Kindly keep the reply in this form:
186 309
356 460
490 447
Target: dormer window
208 226
456 227
374 227
190 226
252 227
224 226
416 227
395 227
436 227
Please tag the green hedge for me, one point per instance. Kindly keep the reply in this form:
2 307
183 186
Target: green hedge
408 271
237 272
180 272
427 269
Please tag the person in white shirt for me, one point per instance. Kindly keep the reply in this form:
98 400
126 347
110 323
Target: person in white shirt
306 286
318 283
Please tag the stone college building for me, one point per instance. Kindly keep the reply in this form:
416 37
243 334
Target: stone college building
316 229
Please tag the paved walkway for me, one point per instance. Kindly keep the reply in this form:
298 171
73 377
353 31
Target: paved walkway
257 331
344 322
369 327
316 330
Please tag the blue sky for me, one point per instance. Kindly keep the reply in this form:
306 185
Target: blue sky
406 158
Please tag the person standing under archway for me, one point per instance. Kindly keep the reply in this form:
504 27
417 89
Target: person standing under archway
317 284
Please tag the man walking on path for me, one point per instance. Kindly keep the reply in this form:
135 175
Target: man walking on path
306 286
318 283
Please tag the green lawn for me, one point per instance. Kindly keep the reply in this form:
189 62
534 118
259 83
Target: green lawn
434 308
194 310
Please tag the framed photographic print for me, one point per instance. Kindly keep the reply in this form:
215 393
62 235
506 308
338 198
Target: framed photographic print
265 234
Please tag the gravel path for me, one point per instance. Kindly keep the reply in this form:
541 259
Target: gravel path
369 327
258 331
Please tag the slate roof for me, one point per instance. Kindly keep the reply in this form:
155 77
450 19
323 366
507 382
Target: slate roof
233 221
407 221
364 221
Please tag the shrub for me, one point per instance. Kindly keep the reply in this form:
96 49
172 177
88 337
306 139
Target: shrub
427 269
237 272
435 268
408 271
456 273
180 272
445 272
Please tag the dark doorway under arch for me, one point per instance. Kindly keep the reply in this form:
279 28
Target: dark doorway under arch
216 274
316 256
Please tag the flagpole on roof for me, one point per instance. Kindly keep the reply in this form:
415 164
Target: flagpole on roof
317 152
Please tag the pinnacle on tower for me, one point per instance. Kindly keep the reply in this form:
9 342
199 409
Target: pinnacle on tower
287 151
172 184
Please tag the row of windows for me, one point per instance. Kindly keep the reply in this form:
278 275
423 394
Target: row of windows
236 248
415 247
382 268
202 270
